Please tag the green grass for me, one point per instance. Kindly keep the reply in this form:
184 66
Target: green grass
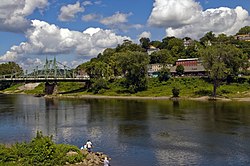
188 86
40 151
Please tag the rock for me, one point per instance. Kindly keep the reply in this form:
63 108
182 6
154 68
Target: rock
71 153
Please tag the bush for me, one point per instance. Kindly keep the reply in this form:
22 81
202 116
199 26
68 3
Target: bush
176 92
41 151
98 85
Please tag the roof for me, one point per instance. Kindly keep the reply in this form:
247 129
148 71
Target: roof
189 69
188 59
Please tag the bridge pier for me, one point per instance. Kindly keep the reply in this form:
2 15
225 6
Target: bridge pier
50 88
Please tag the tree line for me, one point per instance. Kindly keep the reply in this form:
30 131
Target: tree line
223 56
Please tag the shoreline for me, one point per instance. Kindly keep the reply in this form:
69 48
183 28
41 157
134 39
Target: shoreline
202 98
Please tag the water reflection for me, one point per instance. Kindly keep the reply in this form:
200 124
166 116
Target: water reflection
154 132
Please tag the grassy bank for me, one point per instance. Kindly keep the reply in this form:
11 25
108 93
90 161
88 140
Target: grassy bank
40 151
189 87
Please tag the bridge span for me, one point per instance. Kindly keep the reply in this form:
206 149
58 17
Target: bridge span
34 80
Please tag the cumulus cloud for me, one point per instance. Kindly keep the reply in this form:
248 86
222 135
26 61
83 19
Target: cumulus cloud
144 34
69 11
13 13
47 39
115 19
187 18
119 21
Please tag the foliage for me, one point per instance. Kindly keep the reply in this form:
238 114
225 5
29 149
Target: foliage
10 69
175 92
222 61
134 66
40 151
243 31
164 74
163 56
145 42
98 86
179 70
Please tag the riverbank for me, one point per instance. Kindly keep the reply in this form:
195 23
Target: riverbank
202 98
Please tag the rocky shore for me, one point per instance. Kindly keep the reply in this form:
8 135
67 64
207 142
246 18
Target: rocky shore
92 158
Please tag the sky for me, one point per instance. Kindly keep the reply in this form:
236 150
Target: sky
75 31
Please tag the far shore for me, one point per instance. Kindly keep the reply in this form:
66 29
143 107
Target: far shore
202 98
89 96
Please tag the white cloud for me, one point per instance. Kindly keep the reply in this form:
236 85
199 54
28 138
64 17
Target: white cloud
86 3
115 19
119 21
13 13
187 18
47 39
68 12
91 17
145 34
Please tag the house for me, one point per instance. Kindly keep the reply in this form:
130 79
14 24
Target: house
152 49
154 69
192 67
187 43
244 37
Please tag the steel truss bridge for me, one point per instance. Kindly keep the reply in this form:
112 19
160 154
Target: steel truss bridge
51 71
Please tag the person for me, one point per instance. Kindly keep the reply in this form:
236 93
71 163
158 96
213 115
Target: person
106 162
89 145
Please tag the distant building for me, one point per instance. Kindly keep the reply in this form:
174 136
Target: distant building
152 49
192 67
187 42
245 37
154 69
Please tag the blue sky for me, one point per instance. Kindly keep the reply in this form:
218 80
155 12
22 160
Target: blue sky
77 30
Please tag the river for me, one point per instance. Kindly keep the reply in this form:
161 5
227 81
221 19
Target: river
135 132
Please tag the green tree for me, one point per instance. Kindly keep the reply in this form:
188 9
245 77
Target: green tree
208 38
175 92
129 46
164 74
134 67
145 42
156 43
243 31
10 69
179 70
163 56
222 61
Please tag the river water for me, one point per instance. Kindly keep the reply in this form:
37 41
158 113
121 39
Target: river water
135 132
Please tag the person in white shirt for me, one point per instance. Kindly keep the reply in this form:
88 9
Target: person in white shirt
106 162
89 145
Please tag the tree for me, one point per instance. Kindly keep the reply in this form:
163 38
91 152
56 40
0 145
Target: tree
164 74
163 56
129 46
9 69
145 42
208 38
179 70
175 92
156 43
134 66
243 31
222 61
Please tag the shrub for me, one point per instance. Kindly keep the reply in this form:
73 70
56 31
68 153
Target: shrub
41 151
176 92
